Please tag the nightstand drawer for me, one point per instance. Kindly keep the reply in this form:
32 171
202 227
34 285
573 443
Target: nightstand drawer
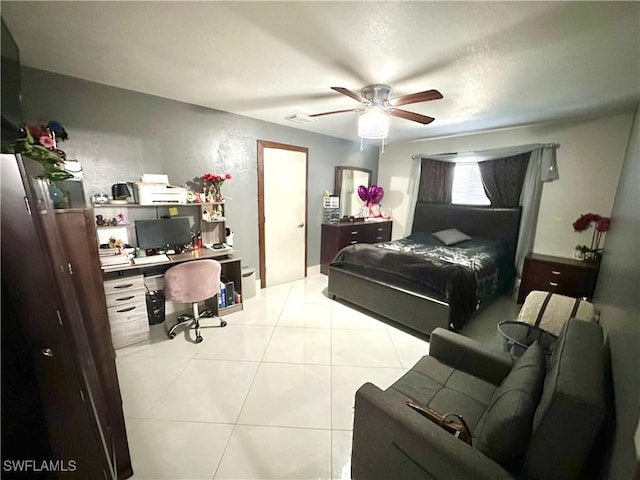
555 276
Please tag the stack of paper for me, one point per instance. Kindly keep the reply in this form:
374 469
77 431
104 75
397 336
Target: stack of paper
111 257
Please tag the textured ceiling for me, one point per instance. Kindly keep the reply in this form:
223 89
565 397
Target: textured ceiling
498 64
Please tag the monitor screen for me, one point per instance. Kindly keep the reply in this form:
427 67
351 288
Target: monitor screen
163 233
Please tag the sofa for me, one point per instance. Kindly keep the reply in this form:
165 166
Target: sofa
531 417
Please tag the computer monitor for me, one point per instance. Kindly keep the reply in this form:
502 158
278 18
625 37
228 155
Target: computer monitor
163 233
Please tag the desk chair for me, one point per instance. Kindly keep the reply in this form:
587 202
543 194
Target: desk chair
192 282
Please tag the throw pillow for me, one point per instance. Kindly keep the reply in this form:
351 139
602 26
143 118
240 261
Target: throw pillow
451 236
504 434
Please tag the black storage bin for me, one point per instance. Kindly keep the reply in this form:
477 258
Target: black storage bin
155 306
516 337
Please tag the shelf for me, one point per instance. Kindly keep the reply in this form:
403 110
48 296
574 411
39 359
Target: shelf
114 226
137 205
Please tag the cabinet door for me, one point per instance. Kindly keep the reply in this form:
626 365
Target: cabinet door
79 240
35 274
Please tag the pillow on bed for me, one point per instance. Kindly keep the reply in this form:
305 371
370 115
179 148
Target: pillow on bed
451 236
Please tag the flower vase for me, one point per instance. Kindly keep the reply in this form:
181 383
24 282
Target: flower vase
217 194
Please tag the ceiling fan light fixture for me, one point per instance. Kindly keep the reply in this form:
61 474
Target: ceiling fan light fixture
373 124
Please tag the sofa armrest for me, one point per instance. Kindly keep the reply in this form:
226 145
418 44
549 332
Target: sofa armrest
392 441
470 356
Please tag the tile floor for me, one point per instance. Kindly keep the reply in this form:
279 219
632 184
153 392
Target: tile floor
270 396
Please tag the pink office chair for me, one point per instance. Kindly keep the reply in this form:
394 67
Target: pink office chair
192 282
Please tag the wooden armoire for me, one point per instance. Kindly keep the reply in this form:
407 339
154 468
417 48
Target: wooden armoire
53 297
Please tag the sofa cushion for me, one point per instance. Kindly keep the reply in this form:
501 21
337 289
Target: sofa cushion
446 390
504 431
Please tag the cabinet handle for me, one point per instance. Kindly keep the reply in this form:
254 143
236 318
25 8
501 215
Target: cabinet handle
353 241
380 229
126 310
355 232
555 272
379 238
122 299
124 286
47 352
553 284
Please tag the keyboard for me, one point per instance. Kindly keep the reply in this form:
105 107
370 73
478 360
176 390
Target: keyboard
150 259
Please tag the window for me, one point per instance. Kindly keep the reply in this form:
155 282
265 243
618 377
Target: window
467 185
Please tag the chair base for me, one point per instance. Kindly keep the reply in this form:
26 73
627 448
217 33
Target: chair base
195 319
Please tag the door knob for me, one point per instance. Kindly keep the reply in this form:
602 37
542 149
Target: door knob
47 352
301 224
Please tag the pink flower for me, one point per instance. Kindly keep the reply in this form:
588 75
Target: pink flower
228 176
46 141
603 224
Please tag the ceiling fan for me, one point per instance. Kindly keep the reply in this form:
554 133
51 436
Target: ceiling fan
376 97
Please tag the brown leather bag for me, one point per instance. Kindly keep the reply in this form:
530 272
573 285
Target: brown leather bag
451 422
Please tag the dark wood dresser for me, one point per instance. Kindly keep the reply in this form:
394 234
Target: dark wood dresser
566 276
336 236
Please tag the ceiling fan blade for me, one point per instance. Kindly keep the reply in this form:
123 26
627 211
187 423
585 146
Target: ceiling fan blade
349 93
415 117
416 98
335 111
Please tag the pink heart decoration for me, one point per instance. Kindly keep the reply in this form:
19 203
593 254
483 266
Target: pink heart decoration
375 193
362 193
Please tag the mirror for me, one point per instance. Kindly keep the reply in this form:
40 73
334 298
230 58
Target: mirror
347 181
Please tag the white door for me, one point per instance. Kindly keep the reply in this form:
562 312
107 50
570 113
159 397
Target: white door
283 212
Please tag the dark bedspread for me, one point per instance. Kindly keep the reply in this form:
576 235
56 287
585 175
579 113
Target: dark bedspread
465 275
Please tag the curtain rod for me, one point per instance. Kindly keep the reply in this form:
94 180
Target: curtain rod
545 145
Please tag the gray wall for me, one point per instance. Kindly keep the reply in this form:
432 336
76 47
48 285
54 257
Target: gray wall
119 134
618 296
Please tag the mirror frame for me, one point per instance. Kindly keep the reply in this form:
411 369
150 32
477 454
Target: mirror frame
339 171
337 184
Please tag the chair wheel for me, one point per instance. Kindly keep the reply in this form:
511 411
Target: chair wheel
198 339
223 323
172 336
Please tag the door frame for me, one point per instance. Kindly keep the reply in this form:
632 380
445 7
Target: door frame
262 144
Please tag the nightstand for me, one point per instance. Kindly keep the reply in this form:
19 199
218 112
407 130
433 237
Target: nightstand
566 276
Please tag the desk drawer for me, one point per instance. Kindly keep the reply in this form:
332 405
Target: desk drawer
125 297
129 322
124 284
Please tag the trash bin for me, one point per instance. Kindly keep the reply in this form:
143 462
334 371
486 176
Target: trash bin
516 337
248 283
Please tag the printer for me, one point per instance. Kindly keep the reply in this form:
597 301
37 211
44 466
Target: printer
155 189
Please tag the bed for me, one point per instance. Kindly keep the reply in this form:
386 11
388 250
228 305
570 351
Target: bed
420 283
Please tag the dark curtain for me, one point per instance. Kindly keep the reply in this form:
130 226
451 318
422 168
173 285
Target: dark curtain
503 179
436 181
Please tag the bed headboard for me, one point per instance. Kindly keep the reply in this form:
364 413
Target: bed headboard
498 223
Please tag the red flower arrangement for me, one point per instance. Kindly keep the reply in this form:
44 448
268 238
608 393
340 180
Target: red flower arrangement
602 225
215 182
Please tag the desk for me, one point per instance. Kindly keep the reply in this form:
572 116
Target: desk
125 290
